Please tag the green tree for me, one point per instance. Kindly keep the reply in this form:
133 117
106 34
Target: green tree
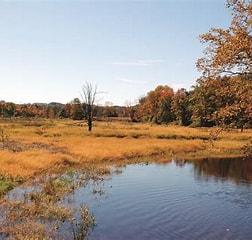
180 107
76 111
7 109
203 104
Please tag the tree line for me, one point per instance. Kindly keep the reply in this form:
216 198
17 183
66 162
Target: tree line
222 96
211 102
223 101
72 110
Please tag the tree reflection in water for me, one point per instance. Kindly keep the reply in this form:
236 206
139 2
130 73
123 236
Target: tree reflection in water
237 170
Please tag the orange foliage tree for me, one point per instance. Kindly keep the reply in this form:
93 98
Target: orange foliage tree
227 69
156 106
229 51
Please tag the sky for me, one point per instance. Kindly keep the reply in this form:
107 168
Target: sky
49 49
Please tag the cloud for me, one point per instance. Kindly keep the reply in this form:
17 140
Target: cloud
140 63
131 81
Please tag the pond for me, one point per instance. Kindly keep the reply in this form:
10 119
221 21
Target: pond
208 199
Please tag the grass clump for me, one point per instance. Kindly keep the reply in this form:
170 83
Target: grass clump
7 183
81 228
43 210
5 186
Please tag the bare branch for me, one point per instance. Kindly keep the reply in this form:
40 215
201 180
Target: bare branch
88 95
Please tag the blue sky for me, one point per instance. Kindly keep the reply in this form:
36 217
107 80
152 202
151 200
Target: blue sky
48 49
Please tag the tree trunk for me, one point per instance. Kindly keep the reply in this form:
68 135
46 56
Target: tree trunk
89 117
89 124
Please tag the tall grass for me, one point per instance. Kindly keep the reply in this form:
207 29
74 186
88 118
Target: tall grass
45 144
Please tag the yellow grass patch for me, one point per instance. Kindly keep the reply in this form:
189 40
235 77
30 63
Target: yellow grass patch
42 144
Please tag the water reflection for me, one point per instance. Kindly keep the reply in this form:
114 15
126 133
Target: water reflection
206 199
234 169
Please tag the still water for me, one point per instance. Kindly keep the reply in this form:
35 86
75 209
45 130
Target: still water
210 199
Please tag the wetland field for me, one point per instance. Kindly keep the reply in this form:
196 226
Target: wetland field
123 180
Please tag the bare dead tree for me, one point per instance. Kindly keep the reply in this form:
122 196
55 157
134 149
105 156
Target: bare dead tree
88 95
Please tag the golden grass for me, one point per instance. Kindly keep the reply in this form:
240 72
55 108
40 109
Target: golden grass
44 144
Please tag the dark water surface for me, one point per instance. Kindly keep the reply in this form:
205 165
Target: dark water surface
210 199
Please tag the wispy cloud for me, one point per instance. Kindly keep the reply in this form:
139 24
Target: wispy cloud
140 63
131 81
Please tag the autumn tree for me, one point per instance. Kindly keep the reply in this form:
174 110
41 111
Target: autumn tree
227 70
229 51
89 94
156 106
233 102
222 101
